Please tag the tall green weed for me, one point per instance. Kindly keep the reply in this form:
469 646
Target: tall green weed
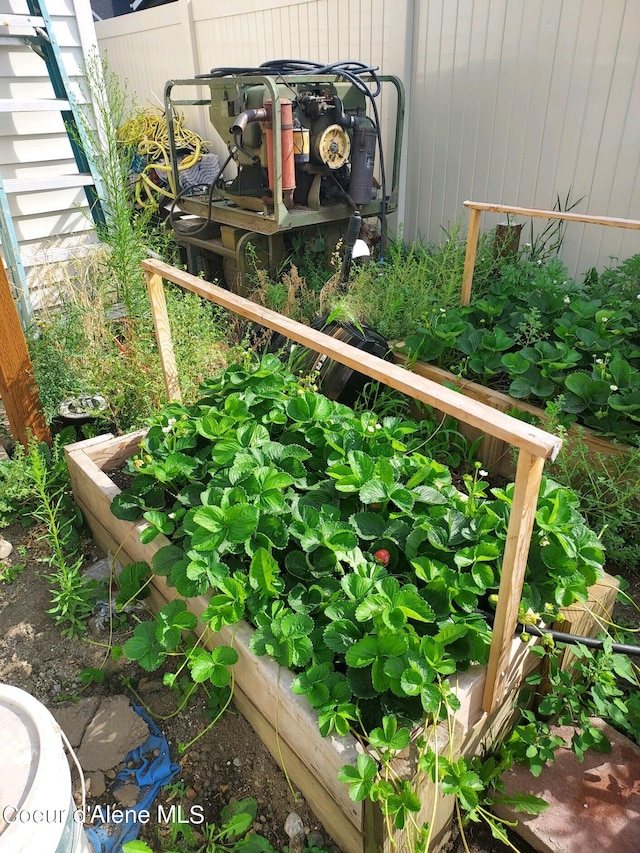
415 280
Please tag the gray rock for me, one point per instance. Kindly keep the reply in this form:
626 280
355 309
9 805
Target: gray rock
294 828
5 548
127 795
112 733
96 784
315 839
74 717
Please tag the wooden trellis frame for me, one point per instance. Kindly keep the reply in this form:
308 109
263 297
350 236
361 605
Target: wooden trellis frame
478 207
534 445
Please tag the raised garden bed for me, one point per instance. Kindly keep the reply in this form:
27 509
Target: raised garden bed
285 722
494 452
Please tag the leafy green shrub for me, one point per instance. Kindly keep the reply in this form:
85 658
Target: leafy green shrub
609 489
291 295
414 280
15 490
83 345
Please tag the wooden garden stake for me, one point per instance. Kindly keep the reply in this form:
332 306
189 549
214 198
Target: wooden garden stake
514 564
163 336
470 257
17 385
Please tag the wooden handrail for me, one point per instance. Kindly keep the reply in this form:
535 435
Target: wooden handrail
478 207
534 445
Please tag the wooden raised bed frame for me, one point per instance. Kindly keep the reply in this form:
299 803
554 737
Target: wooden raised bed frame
495 453
285 722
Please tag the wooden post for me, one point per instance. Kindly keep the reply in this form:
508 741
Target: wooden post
17 385
514 564
470 257
163 336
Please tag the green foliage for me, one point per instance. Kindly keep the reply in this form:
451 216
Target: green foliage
276 501
541 337
599 683
545 243
72 596
11 572
125 227
609 489
34 487
16 490
234 835
413 281
80 347
99 338
293 293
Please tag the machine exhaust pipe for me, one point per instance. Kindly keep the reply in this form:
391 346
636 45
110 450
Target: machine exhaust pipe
287 166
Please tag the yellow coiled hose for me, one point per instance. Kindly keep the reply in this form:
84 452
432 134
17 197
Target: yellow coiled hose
147 132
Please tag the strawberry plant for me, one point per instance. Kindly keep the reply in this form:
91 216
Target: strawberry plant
541 337
359 563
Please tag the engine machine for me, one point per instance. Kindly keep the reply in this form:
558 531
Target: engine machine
307 145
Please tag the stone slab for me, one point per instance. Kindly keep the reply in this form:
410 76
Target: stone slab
127 795
592 806
114 730
74 717
96 785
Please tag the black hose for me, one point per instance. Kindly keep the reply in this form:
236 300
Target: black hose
576 640
570 639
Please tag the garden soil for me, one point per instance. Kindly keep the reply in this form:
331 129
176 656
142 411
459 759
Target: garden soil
227 762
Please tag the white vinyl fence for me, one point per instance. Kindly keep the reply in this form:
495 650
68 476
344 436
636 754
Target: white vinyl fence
508 101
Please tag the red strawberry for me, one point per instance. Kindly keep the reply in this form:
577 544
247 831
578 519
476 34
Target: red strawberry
382 556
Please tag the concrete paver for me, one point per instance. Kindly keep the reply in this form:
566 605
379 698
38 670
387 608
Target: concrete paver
114 730
593 806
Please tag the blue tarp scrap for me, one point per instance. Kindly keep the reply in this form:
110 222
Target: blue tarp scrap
149 766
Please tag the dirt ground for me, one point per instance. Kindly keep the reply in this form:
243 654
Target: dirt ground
229 761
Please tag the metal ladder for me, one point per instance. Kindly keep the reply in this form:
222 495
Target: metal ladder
36 30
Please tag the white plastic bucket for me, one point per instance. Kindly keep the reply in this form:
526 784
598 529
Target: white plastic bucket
37 811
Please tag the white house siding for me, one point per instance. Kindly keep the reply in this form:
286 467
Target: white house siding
510 101
51 224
